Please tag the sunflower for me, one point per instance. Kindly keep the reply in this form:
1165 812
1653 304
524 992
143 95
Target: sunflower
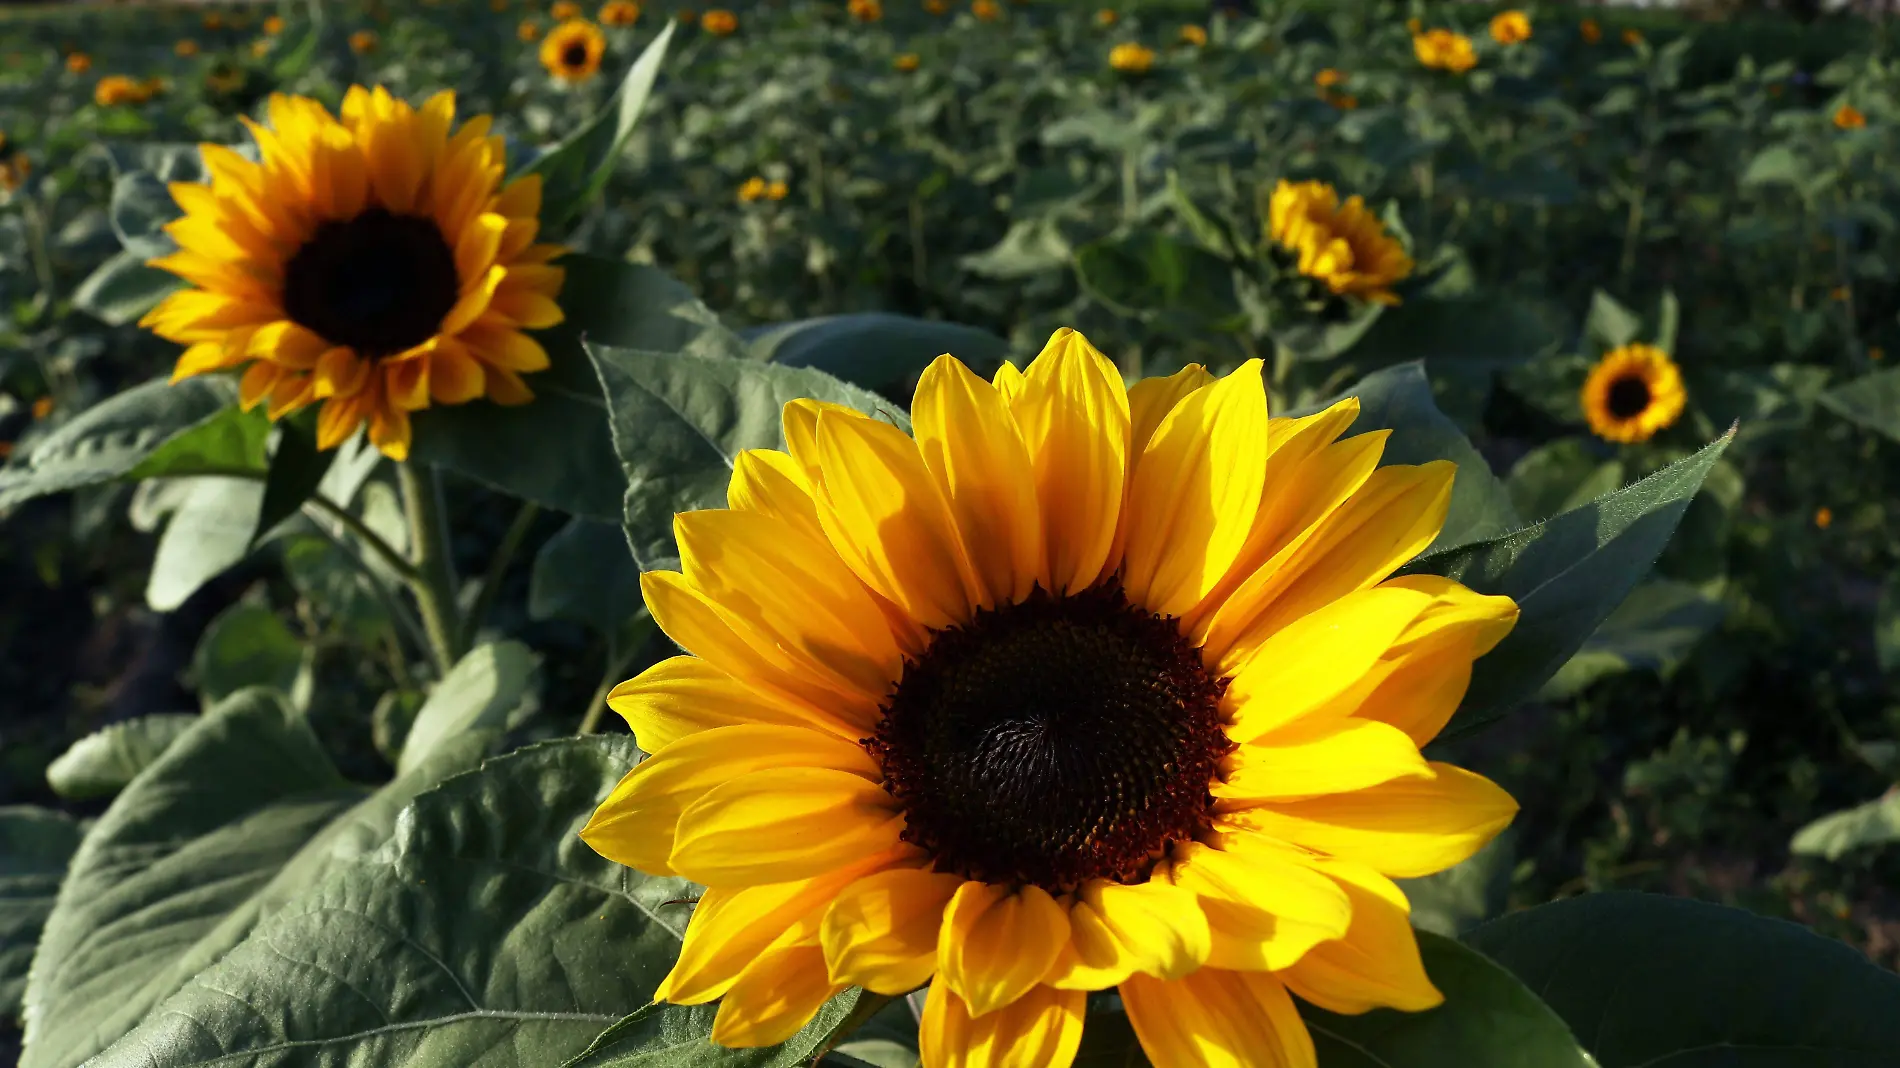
1194 36
14 171
1328 77
865 10
1633 392
619 13
907 62
274 25
1342 245
185 48
528 30
78 62
363 42
719 22
564 11
373 261
1590 31
986 10
571 51
115 89
1445 50
1131 58
1510 27
1083 687
1848 117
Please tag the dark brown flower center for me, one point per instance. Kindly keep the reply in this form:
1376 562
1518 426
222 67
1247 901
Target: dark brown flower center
1629 397
1054 741
379 283
574 55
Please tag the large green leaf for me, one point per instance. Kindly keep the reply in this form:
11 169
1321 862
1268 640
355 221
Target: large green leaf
1658 982
110 438
876 350
123 288
679 421
484 933
1567 575
585 573
674 1036
1488 1020
237 816
1873 401
211 529
231 442
35 846
103 762
1653 629
481 692
1833 836
1149 273
575 171
557 449
248 645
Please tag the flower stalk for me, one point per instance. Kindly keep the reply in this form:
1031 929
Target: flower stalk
433 578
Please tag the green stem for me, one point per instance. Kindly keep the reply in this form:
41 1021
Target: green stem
497 569
434 581
403 619
36 233
385 551
610 676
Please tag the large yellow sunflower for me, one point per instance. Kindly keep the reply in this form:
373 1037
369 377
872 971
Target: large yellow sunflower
1343 245
1632 393
571 51
373 261
1083 687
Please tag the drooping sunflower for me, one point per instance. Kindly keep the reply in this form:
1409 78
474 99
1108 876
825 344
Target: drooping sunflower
1510 27
1633 392
571 52
1082 687
1342 245
373 261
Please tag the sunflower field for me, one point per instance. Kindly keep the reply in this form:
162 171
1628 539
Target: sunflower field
923 534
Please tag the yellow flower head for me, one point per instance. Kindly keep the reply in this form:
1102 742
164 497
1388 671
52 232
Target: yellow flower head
1342 245
564 10
1824 517
751 189
78 62
363 42
1131 58
986 10
1632 37
185 49
1633 392
907 62
1590 31
937 7
1328 78
719 22
1106 17
260 47
213 21
372 261
1510 27
1343 101
528 30
1445 50
274 25
776 190
865 10
1194 35
1848 117
14 171
1055 697
115 89
619 13
572 51
43 407
1414 27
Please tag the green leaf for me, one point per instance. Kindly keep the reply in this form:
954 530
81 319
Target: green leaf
1149 273
35 846
1776 165
103 762
480 692
484 928
556 449
123 288
211 529
1610 324
1465 894
1029 247
1399 399
1839 833
1654 629
1567 473
1887 624
1659 981
140 207
679 421
248 645
574 172
296 470
585 573
230 442
110 438
1872 401
1567 575
1489 1020
675 1036
876 350
239 815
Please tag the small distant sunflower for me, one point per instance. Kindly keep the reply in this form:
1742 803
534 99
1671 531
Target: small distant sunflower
1083 687
1106 17
116 89
937 7
1632 37
1445 50
529 30
1328 78
1824 517
1590 31
373 262
261 47
1131 58
572 51
14 171
224 78
865 10
1510 27
185 49
78 62
564 11
274 25
986 10
907 62
1195 36
498 6
43 407
1633 392
1343 101
751 189
619 13
1342 245
1848 117
363 42
776 190
213 21
719 22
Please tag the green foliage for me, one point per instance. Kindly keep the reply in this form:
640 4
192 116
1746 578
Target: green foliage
110 439
35 846
103 762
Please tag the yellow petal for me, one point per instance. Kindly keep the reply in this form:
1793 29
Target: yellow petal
1376 964
1041 1029
1313 659
1117 930
1266 907
1218 1019
774 997
890 522
1312 758
997 944
771 483
1151 399
454 376
881 932
783 823
796 591
971 445
683 695
636 824
1195 493
1404 828
1429 666
1072 410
